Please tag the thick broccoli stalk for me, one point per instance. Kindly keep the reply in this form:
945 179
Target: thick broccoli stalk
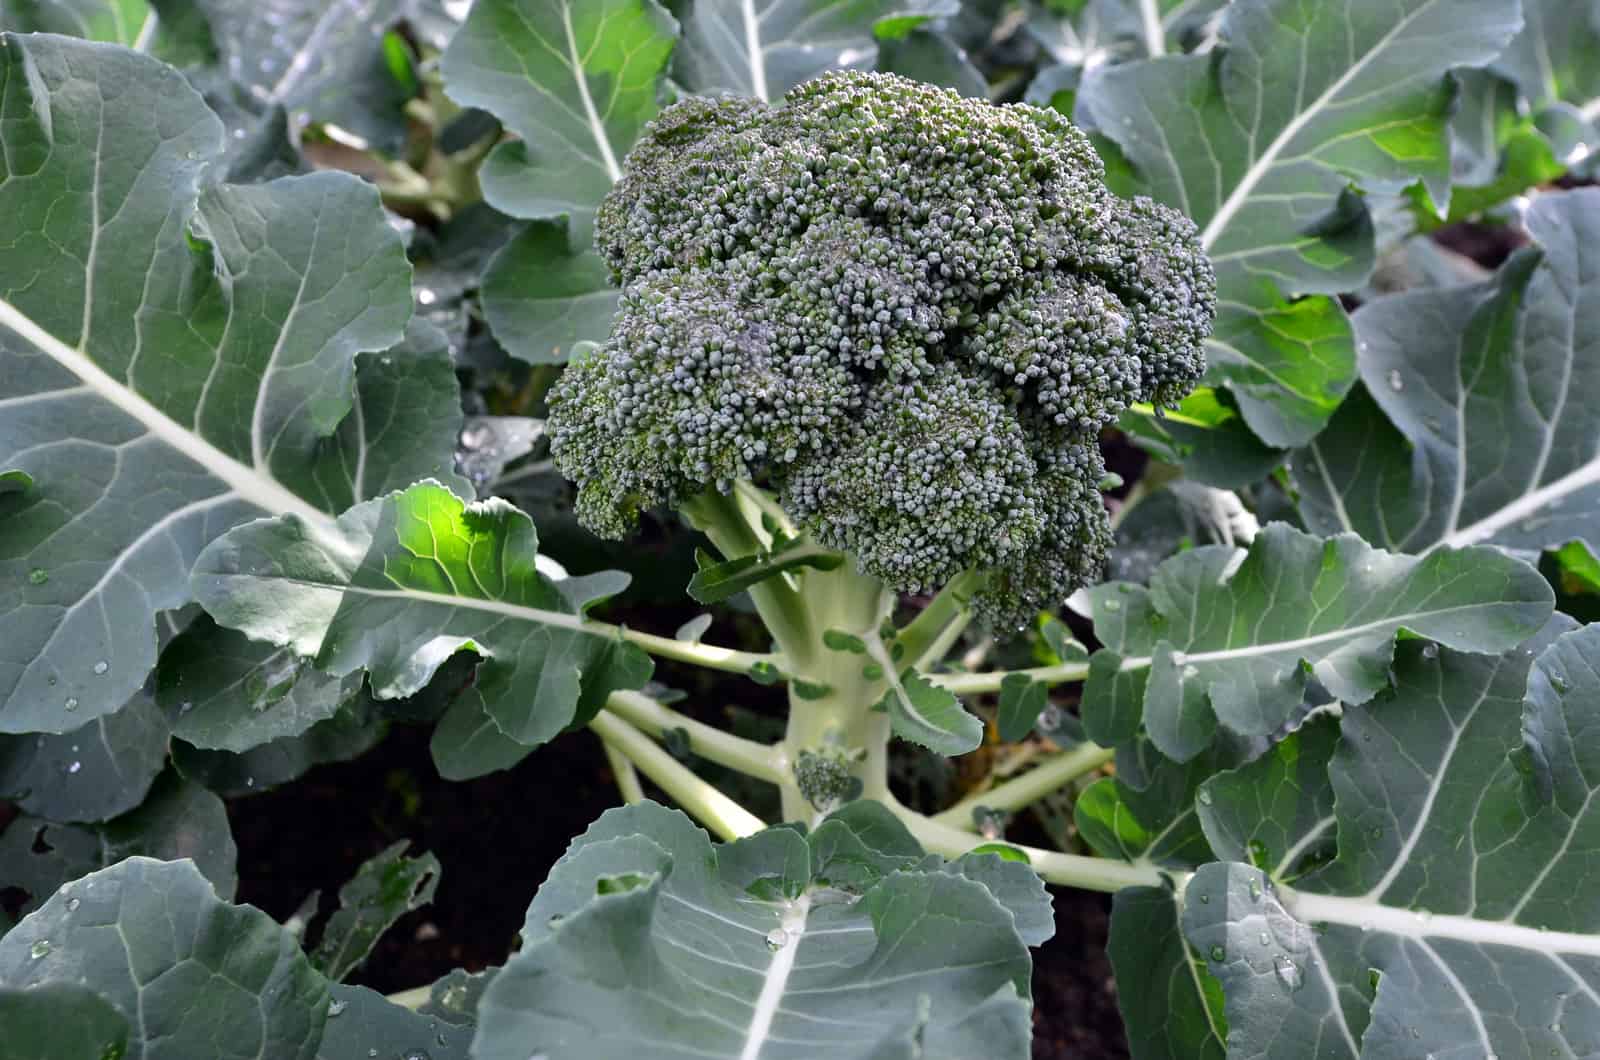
907 313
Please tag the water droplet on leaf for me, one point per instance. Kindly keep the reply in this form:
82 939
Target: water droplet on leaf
73 903
1218 953
1397 382
1113 605
74 767
72 703
38 576
777 938
101 667
335 1008
1205 796
39 949
1288 972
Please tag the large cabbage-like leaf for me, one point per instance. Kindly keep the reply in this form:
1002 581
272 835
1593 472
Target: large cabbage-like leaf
176 360
846 943
1477 424
1461 889
193 975
1231 638
1259 142
404 582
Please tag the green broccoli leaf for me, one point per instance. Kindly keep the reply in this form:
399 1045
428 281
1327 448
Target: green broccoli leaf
1157 820
363 1023
720 581
386 887
114 21
1448 923
332 63
1475 426
177 820
92 773
542 294
193 975
179 361
1553 60
1171 1004
846 942
1260 142
406 581
60 1021
577 81
926 714
1232 638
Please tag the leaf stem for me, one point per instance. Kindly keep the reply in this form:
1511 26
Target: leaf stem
1032 786
626 775
693 652
990 680
1068 870
922 632
698 797
147 32
721 519
709 742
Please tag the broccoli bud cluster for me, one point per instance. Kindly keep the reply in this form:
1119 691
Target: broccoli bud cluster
908 313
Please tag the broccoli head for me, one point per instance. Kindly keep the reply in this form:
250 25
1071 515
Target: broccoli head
908 313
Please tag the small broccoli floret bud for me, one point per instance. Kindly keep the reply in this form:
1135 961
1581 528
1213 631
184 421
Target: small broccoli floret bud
908 313
824 779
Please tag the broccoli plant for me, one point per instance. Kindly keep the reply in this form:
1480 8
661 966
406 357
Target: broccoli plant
371 366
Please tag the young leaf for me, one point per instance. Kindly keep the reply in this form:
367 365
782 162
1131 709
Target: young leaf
1153 821
406 581
718 582
175 367
926 714
1457 888
386 887
1021 701
1260 141
1477 428
193 975
1231 638
841 940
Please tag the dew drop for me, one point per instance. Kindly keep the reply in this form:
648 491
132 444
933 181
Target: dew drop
249 782
1049 718
1431 652
1255 896
1415 1033
1264 938
186 706
335 1008
38 576
1376 833
418 1054
71 703
101 667
372 1052
1205 899
1204 796
1559 684
74 767
1113 605
426 296
1218 954
1288 972
39 949
1190 672
73 903
1396 382
777 939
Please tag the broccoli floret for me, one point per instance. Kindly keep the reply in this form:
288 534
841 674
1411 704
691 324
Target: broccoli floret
908 313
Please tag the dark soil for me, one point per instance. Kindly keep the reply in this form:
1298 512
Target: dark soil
497 837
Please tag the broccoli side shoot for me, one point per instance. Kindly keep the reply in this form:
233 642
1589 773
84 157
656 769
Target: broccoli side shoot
908 313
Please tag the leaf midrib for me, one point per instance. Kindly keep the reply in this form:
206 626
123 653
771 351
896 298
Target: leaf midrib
249 483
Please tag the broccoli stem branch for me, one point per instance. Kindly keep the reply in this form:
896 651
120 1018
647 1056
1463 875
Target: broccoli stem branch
924 631
1030 787
720 517
990 680
709 742
707 655
1068 870
626 775
708 805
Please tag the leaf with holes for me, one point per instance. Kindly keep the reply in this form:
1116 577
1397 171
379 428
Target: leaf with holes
846 942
